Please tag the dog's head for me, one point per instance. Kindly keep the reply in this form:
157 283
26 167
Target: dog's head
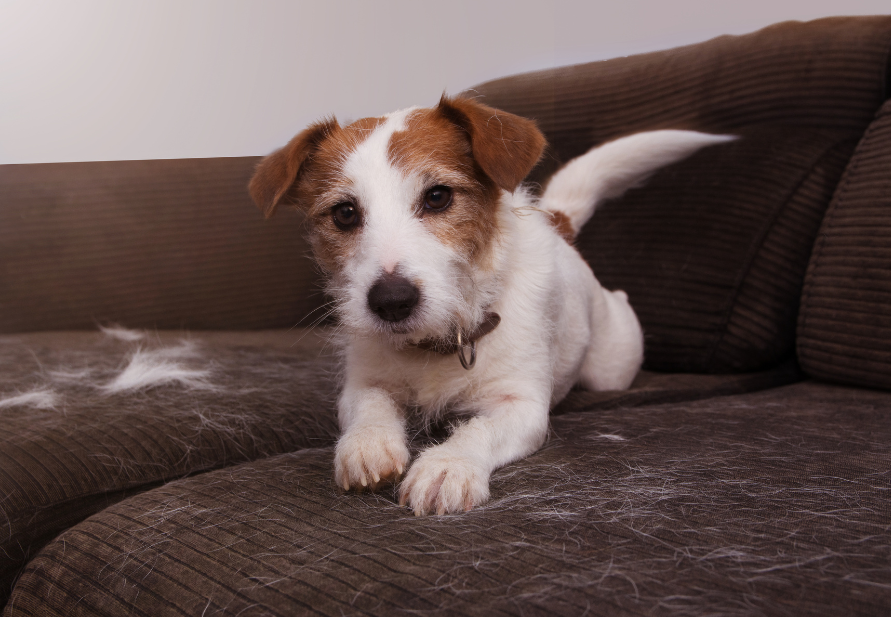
405 211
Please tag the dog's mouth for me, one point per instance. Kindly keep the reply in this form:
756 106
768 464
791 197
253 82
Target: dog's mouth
407 331
413 331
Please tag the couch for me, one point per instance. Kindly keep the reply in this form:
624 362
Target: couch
746 471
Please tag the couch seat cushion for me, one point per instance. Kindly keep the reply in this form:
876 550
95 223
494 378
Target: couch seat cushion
74 440
71 444
767 503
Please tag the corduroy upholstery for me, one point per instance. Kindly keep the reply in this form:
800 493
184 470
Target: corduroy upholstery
155 244
713 251
264 393
844 329
753 505
746 213
688 494
777 75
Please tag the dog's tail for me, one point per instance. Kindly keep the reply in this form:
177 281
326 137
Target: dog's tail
611 169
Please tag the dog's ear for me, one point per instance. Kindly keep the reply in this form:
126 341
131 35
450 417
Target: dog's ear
506 146
277 173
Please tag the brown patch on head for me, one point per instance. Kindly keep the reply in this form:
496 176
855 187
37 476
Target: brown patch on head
475 150
434 149
471 148
563 225
277 173
324 186
308 173
505 146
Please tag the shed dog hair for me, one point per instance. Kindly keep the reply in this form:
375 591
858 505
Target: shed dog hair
437 257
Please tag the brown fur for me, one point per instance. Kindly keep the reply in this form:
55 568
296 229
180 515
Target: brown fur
277 172
308 174
471 148
505 146
434 148
563 226
323 186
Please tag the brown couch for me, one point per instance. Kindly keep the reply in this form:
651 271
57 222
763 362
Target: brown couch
747 471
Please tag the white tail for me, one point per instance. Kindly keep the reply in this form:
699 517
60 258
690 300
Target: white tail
611 169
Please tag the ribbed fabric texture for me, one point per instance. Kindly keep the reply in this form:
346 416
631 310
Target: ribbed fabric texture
844 329
764 504
712 251
264 393
166 244
824 74
83 447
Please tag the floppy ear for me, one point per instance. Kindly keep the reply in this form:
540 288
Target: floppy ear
506 146
276 173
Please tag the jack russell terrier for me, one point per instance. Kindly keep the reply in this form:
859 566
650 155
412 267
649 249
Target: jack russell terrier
458 291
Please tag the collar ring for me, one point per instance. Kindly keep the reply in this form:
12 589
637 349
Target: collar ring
467 364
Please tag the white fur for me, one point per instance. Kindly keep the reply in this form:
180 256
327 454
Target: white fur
150 368
122 334
613 168
559 327
42 398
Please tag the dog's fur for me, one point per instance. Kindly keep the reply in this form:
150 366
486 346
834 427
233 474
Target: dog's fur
492 250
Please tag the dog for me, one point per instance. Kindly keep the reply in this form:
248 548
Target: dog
457 290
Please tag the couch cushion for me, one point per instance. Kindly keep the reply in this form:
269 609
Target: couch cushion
768 503
829 73
844 329
713 251
157 244
74 439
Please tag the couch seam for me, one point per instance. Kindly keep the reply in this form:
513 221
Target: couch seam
759 244
834 206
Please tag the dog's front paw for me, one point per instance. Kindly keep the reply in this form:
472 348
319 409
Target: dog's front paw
442 482
370 456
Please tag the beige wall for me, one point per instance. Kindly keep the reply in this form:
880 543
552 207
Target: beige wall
112 79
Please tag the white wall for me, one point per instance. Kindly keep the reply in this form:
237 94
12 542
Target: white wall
113 79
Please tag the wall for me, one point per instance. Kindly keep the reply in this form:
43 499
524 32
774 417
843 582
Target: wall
108 80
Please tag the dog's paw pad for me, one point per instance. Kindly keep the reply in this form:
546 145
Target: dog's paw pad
442 483
370 457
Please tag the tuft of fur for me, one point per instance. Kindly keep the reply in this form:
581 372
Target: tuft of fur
150 368
121 333
41 398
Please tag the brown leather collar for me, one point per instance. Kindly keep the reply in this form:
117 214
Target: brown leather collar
449 346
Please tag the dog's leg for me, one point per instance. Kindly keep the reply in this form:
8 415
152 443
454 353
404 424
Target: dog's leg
615 353
454 476
372 448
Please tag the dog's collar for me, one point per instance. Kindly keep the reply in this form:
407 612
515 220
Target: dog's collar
461 343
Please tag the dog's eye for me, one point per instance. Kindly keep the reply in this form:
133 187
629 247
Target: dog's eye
346 215
438 198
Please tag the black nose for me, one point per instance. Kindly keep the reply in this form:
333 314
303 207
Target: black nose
393 297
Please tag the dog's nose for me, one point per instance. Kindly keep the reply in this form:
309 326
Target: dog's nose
393 297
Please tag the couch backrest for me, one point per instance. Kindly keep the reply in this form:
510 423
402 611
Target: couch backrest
715 277
166 244
844 328
826 74
713 251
